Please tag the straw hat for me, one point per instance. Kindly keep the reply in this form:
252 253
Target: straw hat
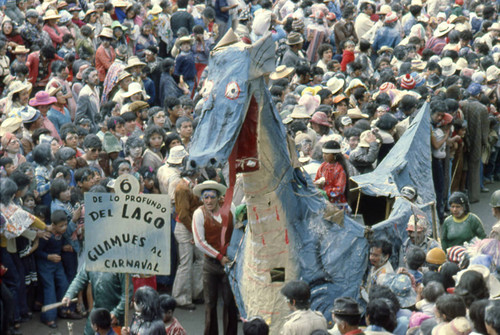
120 3
176 155
123 75
299 112
10 125
184 39
442 29
353 84
418 65
82 68
385 48
447 66
155 10
209 185
282 71
116 24
391 17
21 49
106 32
335 85
492 73
355 113
229 38
90 11
134 61
462 63
51 14
53 90
339 98
137 106
384 10
133 88
18 86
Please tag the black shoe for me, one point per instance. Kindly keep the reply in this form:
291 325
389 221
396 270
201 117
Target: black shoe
189 307
70 315
200 301
51 324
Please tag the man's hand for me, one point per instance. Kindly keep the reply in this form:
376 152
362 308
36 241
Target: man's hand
225 260
370 137
43 234
66 301
77 214
125 331
54 258
114 320
67 248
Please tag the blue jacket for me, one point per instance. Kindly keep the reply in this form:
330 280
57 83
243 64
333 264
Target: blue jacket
184 66
57 204
386 36
58 118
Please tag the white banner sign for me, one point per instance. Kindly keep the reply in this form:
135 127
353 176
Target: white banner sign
127 232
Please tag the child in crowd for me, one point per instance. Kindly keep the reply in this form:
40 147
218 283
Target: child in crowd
172 325
147 318
431 292
51 270
184 62
415 258
347 55
100 319
332 174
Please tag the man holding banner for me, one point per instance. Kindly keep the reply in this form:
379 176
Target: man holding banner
212 234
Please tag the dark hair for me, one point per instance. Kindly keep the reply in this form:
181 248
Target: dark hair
381 291
150 131
171 102
255 326
167 303
451 306
66 129
324 48
92 141
431 276
113 121
42 154
48 51
476 314
20 179
101 318
58 216
58 186
60 169
148 300
57 66
182 3
82 174
116 165
415 257
492 315
67 37
7 190
181 120
209 13
385 245
380 314
128 116
37 133
299 291
472 287
432 291
448 270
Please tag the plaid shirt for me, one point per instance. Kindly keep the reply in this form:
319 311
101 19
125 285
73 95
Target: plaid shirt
32 35
42 177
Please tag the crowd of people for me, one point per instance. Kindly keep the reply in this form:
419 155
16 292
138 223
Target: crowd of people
91 90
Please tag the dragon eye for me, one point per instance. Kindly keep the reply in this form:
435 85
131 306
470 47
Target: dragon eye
232 91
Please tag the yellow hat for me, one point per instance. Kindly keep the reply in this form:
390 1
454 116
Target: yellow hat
436 256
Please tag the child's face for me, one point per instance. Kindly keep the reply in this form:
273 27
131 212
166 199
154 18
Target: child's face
167 316
461 132
329 158
149 183
60 227
185 47
29 202
353 142
350 47
65 196
9 168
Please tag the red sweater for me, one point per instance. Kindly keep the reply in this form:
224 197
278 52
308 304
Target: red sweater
347 57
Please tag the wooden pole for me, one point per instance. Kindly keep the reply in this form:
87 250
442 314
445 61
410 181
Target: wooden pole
357 205
387 207
434 220
127 302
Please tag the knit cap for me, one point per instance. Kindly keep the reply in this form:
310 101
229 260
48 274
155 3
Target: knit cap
456 254
408 82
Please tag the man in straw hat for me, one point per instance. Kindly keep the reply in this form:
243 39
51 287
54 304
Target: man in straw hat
105 54
50 18
123 81
212 232
113 73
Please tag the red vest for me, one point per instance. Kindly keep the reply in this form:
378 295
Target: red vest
214 231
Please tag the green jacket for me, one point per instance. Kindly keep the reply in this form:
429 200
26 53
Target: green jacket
108 290
457 232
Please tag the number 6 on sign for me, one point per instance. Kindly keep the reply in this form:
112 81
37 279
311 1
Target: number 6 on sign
127 184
